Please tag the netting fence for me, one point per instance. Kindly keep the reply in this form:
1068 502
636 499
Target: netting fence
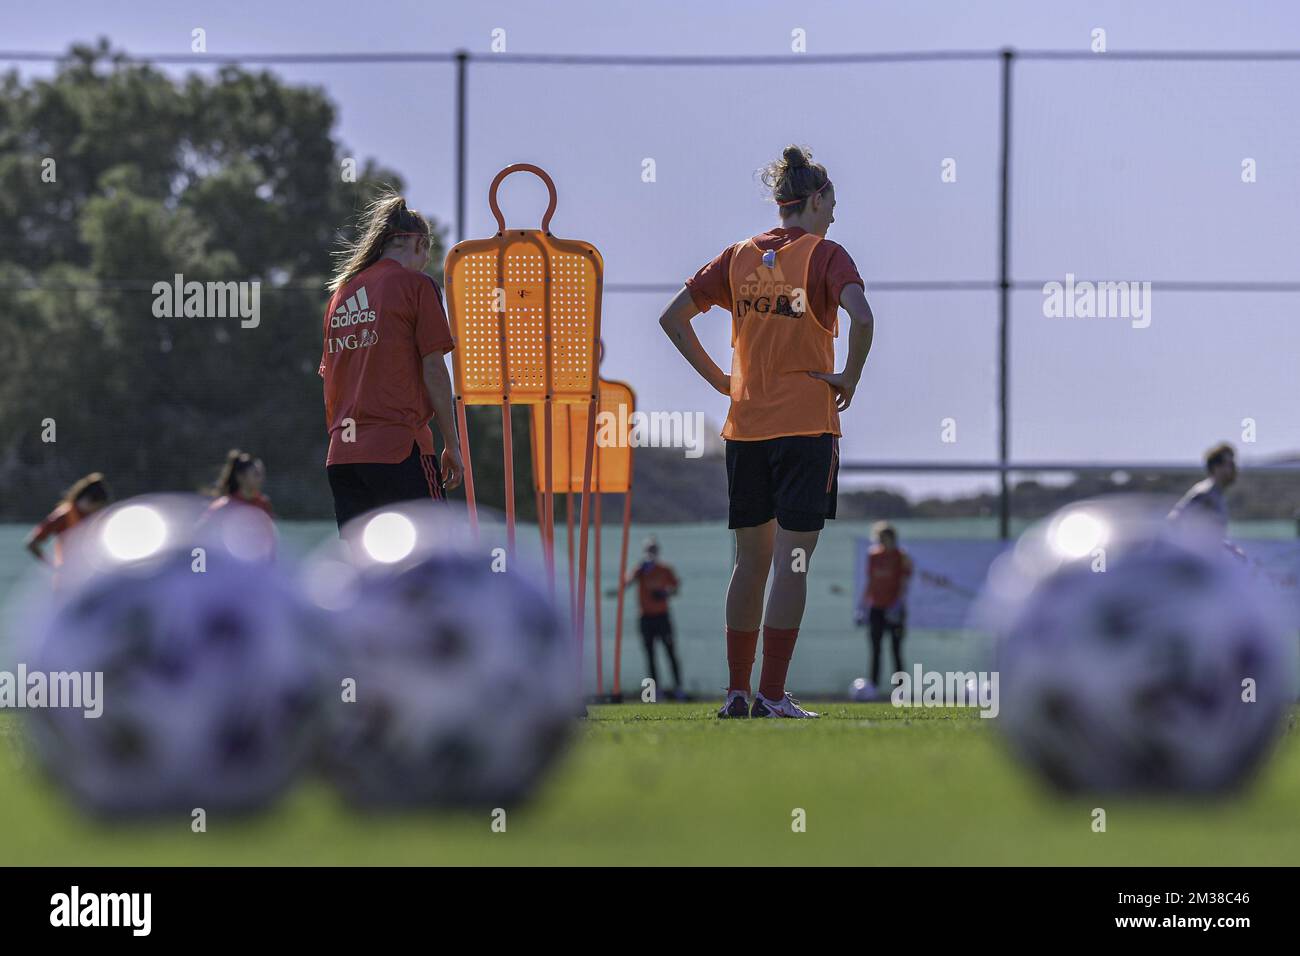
1013 169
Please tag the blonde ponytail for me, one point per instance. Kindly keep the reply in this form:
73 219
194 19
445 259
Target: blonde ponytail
379 223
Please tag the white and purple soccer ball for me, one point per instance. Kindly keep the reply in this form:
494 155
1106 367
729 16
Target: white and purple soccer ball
455 679
1136 655
202 658
862 690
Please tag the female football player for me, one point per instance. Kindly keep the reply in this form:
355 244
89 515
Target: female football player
783 288
385 378
884 597
240 482
83 499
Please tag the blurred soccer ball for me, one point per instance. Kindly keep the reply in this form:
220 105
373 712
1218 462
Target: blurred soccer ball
1127 647
862 690
209 684
464 672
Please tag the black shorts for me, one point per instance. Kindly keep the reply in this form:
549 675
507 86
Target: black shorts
656 626
878 625
361 487
794 479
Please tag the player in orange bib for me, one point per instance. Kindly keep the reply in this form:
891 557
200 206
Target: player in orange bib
82 500
783 288
385 338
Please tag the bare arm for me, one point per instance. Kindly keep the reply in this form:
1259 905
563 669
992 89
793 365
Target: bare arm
33 544
676 323
437 382
862 328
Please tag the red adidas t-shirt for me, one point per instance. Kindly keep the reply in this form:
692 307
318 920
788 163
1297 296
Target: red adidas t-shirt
378 329
830 269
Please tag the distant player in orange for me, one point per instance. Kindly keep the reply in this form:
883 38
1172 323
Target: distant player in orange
783 288
240 482
656 584
83 499
884 597
385 335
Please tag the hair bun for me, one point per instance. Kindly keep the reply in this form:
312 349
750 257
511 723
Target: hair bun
794 157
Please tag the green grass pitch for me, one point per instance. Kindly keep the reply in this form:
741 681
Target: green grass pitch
670 784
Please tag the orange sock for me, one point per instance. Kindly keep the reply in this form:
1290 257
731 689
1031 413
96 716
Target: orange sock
741 649
778 648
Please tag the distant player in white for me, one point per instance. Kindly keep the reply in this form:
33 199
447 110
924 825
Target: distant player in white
1206 500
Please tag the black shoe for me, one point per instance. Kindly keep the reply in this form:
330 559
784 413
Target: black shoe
735 706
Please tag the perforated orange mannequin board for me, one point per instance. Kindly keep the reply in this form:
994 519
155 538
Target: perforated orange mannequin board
612 469
500 292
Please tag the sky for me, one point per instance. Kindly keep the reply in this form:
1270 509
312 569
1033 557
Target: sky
1120 171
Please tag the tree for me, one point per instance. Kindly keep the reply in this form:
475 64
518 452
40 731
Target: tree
233 178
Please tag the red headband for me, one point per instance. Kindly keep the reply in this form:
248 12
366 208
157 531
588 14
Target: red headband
791 202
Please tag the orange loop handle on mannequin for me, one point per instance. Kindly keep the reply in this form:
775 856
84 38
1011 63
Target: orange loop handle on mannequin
521 168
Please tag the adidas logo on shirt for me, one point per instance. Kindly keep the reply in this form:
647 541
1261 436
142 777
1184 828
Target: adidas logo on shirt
354 311
770 293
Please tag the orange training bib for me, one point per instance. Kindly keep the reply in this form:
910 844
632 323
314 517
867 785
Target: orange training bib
776 340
